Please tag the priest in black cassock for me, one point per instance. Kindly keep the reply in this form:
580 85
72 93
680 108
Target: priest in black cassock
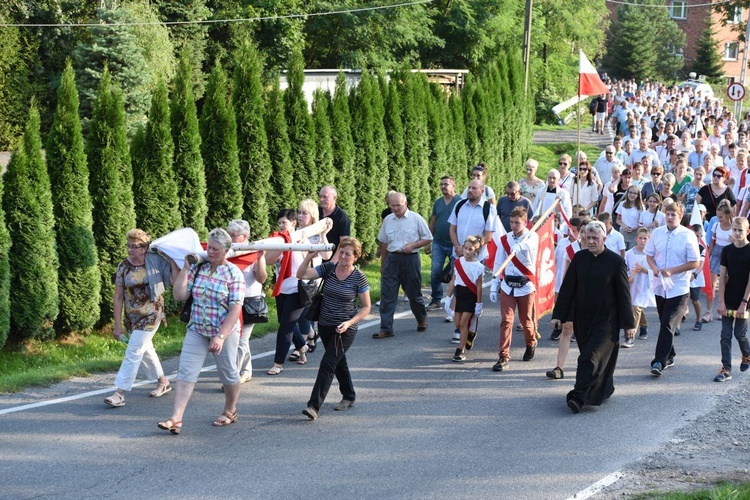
595 295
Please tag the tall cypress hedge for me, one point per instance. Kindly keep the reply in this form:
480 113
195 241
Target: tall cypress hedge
394 128
27 201
363 121
110 185
78 274
4 276
188 162
343 148
219 147
154 186
321 117
282 191
252 140
300 128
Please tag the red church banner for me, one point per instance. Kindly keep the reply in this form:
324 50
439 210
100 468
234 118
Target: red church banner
545 270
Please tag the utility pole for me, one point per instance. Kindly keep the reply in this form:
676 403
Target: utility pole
738 104
527 45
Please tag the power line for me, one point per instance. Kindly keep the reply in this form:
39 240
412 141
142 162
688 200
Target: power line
635 4
216 21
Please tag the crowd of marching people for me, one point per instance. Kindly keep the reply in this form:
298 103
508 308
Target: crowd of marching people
658 220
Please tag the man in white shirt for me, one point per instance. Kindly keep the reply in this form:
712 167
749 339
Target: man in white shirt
605 163
671 252
468 218
545 197
644 150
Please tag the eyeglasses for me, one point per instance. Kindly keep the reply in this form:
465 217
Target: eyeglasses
609 152
655 174
718 176
445 184
562 163
583 169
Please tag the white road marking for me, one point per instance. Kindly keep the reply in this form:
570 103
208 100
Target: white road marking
597 486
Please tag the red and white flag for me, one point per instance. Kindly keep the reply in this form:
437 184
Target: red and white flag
494 244
589 82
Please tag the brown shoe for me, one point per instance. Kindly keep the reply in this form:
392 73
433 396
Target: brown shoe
422 326
502 364
382 335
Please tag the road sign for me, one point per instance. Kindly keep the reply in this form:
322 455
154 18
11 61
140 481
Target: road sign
736 91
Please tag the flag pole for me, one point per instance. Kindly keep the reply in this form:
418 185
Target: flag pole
578 145
542 220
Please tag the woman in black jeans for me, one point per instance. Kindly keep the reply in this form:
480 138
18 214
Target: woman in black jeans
338 321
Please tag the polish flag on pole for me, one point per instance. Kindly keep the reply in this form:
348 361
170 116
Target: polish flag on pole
589 82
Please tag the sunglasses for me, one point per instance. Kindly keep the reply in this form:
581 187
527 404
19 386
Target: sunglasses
583 169
562 163
718 176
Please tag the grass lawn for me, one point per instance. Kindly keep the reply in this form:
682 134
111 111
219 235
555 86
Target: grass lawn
724 491
41 363
573 125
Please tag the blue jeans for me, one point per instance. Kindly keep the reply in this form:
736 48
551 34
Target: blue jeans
738 327
439 254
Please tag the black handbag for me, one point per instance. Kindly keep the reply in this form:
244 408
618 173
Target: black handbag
188 305
446 275
255 310
307 290
313 309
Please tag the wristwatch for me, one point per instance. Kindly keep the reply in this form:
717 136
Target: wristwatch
221 336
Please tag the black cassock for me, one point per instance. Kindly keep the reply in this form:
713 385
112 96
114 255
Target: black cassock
595 295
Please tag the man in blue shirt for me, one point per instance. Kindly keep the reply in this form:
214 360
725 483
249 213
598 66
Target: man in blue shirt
441 248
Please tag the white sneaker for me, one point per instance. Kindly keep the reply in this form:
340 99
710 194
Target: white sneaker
456 339
449 318
377 303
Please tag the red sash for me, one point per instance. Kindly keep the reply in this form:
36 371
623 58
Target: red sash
570 250
460 270
524 270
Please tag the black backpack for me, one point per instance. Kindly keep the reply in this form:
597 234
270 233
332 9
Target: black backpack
485 208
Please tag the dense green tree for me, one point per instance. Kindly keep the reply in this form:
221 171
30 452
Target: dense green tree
16 78
437 123
110 185
379 39
157 207
188 162
708 59
380 140
225 38
321 117
252 140
300 128
118 49
343 148
189 38
643 43
27 202
394 128
218 127
281 194
366 168
78 274
280 37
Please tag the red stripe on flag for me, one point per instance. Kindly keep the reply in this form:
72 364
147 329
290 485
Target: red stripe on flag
591 84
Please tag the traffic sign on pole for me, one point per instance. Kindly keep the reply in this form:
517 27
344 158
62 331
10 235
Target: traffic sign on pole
736 91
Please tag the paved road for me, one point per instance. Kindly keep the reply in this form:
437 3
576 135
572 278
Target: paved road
423 426
587 137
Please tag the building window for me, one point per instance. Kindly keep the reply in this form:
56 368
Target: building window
734 15
678 10
731 50
679 52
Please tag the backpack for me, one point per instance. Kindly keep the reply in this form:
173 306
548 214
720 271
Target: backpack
485 208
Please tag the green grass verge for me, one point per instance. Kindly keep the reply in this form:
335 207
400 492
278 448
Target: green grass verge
41 363
573 125
547 154
724 491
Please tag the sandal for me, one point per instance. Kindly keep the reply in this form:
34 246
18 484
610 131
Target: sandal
225 419
707 317
115 400
161 390
294 356
275 370
556 373
173 426
312 343
302 354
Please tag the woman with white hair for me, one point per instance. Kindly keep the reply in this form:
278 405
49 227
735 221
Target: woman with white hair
218 291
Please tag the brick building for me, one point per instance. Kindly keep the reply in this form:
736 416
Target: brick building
690 16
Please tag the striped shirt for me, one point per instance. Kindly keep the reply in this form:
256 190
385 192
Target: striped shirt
340 297
212 296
